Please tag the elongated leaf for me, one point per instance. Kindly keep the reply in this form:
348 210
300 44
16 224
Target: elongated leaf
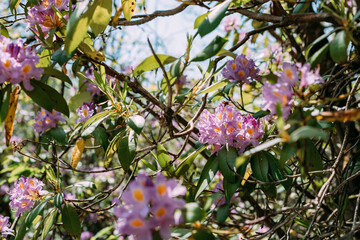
321 38
71 221
126 150
47 97
100 16
260 166
49 222
207 175
200 19
186 163
136 122
77 152
338 47
213 19
10 117
227 159
317 57
211 50
4 107
49 71
3 31
91 124
307 132
222 213
101 137
77 100
20 234
150 63
112 148
215 87
36 211
13 4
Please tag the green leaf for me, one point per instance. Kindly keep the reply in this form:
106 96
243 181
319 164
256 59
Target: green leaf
50 173
175 68
227 159
13 5
60 57
20 234
286 153
58 200
163 156
77 27
100 16
317 57
36 211
112 148
312 157
71 221
193 212
222 213
207 175
307 132
185 164
215 87
231 188
200 19
45 58
136 122
319 39
211 50
150 63
275 170
5 98
77 100
202 235
47 97
3 31
92 123
52 72
338 47
261 113
101 137
49 222
260 166
126 150
213 19
59 135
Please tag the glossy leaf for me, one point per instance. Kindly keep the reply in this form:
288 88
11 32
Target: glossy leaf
215 86
307 132
20 234
126 150
213 19
163 156
260 166
5 99
227 159
150 63
193 212
222 213
136 122
185 164
112 148
49 71
47 97
58 200
36 211
101 137
319 55
71 221
49 222
207 175
3 31
211 50
338 47
92 123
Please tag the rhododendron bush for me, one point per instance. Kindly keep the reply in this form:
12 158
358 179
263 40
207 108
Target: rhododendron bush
247 127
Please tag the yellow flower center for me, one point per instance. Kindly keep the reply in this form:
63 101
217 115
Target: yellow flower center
250 131
26 68
244 61
138 195
233 66
161 189
241 74
217 129
160 212
7 64
230 129
288 73
137 223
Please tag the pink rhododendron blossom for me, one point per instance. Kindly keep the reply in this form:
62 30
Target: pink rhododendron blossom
45 16
17 64
227 125
4 226
149 206
309 77
241 70
26 191
230 23
45 120
85 112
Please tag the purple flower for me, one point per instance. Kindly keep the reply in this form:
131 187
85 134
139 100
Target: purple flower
230 23
127 69
263 229
45 16
85 112
241 69
227 125
181 82
86 235
148 206
289 74
26 191
4 226
309 77
17 64
278 93
45 120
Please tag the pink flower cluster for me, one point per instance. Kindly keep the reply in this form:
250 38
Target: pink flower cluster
26 191
86 111
230 23
17 63
4 226
228 126
149 206
45 120
282 92
45 16
241 70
